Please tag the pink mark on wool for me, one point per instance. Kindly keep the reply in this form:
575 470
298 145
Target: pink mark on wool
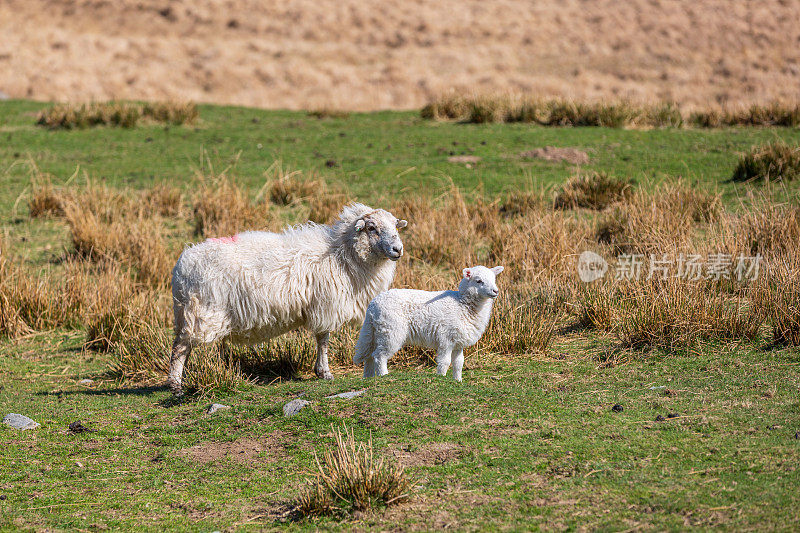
225 240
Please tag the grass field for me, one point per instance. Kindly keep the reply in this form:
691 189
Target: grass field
528 440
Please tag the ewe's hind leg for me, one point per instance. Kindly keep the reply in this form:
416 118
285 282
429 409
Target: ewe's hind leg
443 355
369 367
321 368
458 363
180 351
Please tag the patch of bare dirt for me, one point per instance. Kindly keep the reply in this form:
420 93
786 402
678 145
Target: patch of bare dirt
430 454
555 155
269 448
350 54
469 159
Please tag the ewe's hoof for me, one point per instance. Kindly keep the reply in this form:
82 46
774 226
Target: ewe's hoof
326 374
176 388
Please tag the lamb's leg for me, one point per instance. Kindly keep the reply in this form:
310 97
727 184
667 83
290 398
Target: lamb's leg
443 355
321 368
458 363
180 351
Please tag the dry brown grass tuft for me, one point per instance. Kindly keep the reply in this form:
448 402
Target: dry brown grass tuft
676 315
72 116
778 295
326 112
349 478
772 114
517 326
175 113
766 227
660 221
223 207
117 114
46 200
287 188
135 242
776 161
593 190
510 107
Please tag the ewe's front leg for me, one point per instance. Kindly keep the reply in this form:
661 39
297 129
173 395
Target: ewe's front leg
443 356
321 368
458 363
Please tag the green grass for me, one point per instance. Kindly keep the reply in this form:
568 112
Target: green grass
530 442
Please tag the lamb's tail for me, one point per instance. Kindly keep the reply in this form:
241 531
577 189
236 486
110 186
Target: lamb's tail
365 345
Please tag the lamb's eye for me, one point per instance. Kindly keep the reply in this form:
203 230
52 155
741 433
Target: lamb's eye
479 281
373 229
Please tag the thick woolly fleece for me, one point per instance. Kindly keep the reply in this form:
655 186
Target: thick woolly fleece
258 285
447 321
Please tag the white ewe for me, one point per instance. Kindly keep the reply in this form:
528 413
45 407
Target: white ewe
447 321
257 285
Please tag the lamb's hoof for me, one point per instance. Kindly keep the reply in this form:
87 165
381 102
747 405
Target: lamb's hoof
325 374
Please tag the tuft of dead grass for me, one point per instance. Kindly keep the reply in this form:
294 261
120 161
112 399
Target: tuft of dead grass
593 190
350 478
115 114
770 114
778 295
175 113
775 161
659 221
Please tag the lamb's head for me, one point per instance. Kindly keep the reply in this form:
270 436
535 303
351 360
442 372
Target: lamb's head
479 282
377 236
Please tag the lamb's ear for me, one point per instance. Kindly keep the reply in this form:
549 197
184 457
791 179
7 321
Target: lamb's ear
467 273
360 224
402 224
497 270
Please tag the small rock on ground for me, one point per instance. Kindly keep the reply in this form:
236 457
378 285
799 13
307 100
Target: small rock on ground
295 406
18 421
86 381
348 395
214 407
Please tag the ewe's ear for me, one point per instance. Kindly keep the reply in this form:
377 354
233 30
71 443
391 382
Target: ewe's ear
497 270
402 224
467 273
360 224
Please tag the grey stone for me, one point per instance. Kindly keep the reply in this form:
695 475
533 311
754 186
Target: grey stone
19 421
214 407
295 406
348 395
86 382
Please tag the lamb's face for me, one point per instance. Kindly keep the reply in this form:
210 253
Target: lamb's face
378 230
480 282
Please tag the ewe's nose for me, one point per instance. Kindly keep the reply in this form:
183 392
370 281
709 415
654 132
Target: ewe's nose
397 250
494 293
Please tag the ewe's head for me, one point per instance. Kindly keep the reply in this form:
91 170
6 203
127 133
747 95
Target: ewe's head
479 282
376 235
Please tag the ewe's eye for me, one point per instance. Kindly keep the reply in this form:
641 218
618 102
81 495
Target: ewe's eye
479 281
373 229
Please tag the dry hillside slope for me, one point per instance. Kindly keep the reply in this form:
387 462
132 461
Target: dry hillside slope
398 53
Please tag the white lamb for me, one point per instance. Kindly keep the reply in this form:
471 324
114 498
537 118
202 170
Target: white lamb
447 321
257 285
